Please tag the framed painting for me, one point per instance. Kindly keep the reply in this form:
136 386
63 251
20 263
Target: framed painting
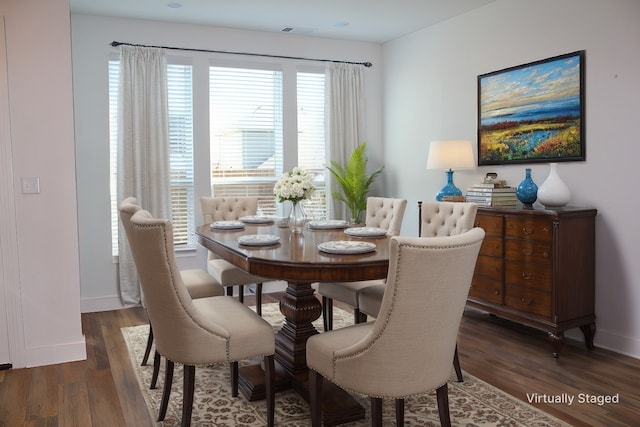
533 113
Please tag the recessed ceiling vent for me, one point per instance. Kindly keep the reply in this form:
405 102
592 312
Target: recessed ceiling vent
287 29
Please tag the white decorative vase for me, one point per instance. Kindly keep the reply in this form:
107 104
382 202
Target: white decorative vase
554 193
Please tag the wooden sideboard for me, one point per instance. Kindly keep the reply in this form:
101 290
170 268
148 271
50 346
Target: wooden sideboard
537 267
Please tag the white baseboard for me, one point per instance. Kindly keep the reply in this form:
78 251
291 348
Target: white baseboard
108 303
616 343
60 353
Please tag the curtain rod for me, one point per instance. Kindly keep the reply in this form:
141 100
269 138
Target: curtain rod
366 64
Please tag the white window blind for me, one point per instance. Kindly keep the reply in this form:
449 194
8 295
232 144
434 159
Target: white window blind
246 133
179 86
311 138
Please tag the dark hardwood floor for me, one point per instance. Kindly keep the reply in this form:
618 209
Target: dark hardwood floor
103 390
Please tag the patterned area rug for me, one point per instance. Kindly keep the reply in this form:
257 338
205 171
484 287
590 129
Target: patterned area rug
472 403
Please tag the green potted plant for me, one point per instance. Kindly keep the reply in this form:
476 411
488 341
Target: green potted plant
354 182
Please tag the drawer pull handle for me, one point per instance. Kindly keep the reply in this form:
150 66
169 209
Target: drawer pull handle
496 292
526 301
527 252
527 276
526 230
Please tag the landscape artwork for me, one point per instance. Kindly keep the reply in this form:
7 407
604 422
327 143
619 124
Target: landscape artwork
532 113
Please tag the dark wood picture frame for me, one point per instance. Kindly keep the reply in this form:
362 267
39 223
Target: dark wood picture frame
533 113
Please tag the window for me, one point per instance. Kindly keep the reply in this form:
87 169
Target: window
245 107
179 82
311 138
247 144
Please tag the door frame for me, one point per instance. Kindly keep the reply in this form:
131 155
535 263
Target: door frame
11 326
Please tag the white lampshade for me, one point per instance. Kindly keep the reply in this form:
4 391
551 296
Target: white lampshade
450 155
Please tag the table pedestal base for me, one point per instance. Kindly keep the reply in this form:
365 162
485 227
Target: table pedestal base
300 308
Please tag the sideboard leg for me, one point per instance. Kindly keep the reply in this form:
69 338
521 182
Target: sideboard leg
556 341
589 332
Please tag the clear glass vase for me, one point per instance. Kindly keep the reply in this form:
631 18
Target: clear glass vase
297 217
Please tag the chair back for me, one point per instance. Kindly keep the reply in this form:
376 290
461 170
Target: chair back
445 218
180 330
127 208
385 213
412 342
227 208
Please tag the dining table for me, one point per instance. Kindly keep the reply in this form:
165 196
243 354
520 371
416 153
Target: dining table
324 251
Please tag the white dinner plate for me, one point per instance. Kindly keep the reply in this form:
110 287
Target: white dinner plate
258 239
227 225
328 224
256 219
365 232
346 247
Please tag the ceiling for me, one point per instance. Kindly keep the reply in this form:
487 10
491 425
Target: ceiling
366 20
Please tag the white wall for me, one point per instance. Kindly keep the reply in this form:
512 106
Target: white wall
91 37
47 290
430 92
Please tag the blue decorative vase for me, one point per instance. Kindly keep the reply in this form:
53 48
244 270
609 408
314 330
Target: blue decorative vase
527 191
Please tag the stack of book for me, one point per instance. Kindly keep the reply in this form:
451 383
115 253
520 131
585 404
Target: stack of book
491 195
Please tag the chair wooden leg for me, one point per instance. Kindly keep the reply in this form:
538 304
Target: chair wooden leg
188 388
156 370
147 351
327 313
234 378
376 412
241 293
442 394
229 291
399 412
456 365
166 391
315 397
270 388
259 298
359 317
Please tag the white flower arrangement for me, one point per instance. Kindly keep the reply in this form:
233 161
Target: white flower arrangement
294 186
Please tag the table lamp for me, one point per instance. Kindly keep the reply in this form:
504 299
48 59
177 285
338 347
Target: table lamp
450 155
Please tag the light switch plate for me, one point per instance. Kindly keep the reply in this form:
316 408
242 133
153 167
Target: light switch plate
31 185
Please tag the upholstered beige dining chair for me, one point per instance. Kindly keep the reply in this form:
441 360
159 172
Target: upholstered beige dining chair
381 212
408 349
198 283
190 331
228 275
434 219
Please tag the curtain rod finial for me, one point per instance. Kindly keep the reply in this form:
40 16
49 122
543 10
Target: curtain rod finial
115 44
367 64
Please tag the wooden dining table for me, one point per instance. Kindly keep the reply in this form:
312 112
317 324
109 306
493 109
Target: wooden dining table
296 259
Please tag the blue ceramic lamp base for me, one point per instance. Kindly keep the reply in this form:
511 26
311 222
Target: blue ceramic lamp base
450 189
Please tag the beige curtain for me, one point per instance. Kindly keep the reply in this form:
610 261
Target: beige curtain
344 121
143 147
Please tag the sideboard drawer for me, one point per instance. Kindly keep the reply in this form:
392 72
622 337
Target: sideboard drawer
491 224
492 246
528 228
490 267
528 250
528 274
486 289
528 300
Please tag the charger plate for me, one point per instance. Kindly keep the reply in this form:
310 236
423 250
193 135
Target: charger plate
328 224
346 247
256 219
227 225
258 239
365 232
